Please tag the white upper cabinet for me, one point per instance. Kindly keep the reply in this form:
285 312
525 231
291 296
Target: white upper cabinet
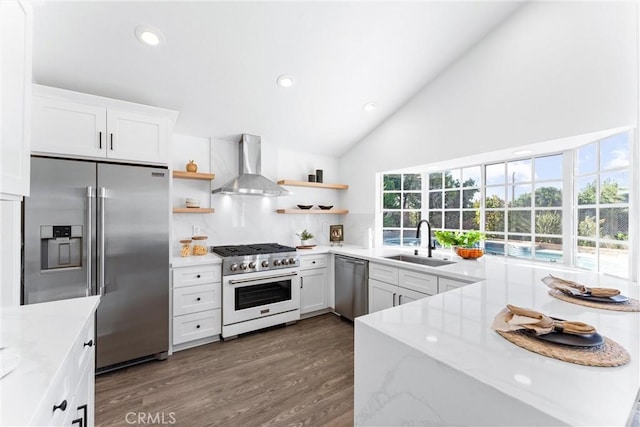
66 127
137 137
15 77
78 125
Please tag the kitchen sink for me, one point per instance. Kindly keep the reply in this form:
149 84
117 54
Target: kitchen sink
431 262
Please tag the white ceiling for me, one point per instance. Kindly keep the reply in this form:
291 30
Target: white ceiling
220 60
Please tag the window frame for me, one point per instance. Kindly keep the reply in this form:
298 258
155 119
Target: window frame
568 208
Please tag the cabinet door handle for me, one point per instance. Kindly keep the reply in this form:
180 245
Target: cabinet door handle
62 406
399 299
88 344
100 140
394 299
84 414
77 421
111 141
301 282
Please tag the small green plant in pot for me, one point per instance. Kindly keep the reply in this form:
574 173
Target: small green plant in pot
464 243
305 236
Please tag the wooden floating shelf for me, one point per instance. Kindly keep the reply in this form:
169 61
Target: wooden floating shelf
313 211
194 175
193 210
312 184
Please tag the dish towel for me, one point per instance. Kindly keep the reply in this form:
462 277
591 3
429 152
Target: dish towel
572 288
514 318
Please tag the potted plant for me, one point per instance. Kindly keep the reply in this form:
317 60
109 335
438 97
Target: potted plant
465 243
305 236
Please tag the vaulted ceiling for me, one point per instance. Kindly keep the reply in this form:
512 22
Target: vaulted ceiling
219 61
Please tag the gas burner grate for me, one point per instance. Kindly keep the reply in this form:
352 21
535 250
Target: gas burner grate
251 249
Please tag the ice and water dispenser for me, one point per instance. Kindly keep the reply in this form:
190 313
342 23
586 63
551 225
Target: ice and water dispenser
61 246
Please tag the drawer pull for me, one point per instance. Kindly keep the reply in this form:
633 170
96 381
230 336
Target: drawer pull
197 326
198 299
198 276
88 344
313 262
62 406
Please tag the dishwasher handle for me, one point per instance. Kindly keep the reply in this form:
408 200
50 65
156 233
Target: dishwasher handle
351 260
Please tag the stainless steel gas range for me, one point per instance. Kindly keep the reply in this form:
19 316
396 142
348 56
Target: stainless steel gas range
260 287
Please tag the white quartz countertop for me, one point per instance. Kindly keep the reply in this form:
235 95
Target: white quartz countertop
194 260
43 335
454 328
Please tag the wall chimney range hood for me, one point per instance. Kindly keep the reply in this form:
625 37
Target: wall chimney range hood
250 182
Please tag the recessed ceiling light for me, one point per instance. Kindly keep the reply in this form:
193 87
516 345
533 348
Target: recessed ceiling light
369 106
522 152
285 80
148 35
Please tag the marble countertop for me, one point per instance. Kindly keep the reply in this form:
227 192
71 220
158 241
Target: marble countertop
43 335
454 328
190 261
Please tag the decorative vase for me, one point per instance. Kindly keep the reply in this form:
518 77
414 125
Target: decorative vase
192 166
469 253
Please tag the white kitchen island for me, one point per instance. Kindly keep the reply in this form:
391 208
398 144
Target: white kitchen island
436 361
50 347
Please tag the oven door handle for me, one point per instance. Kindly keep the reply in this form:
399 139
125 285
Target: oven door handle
279 276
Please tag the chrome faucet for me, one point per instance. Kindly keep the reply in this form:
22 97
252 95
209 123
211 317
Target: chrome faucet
430 245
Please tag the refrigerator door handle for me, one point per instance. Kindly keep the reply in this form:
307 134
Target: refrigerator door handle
88 242
101 261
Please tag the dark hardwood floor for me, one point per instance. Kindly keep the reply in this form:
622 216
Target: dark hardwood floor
298 375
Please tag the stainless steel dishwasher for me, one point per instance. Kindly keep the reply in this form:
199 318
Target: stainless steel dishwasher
351 283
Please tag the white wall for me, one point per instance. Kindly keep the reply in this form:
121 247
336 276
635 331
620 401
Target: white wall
552 70
250 219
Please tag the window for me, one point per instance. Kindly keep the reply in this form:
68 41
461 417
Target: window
523 208
454 199
401 208
601 232
571 207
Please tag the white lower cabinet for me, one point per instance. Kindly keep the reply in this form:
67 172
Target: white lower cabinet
197 305
391 286
313 283
447 284
70 400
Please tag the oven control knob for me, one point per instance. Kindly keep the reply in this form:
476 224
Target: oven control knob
233 267
243 266
285 261
252 264
277 262
265 264
292 261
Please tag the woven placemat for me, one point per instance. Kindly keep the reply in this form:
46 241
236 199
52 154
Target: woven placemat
631 305
606 355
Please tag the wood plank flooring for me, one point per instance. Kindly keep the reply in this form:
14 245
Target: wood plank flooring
298 375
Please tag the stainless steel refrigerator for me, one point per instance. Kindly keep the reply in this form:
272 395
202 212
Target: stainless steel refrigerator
95 228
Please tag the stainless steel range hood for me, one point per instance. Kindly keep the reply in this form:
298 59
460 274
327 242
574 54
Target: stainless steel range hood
250 182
